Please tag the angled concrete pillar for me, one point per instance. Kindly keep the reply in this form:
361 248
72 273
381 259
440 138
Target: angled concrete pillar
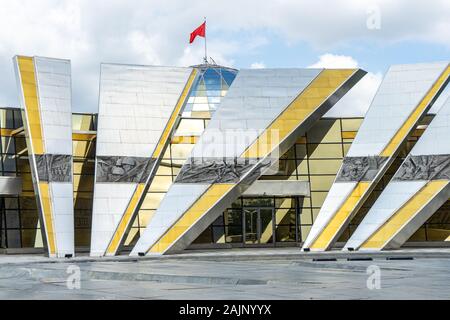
45 97
138 110
418 189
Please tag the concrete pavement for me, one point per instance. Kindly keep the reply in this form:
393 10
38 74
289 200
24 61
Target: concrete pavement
251 274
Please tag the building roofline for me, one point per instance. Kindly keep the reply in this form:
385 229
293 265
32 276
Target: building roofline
213 66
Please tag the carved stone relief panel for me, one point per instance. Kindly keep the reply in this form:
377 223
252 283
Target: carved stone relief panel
360 168
54 168
216 170
123 169
428 167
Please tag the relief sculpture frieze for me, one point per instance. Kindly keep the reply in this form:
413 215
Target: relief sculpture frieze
123 169
356 169
54 168
426 167
216 170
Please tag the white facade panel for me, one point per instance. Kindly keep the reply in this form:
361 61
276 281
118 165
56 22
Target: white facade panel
54 91
136 102
434 141
110 202
53 80
399 94
62 205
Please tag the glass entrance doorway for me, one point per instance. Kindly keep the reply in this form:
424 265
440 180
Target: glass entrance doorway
258 226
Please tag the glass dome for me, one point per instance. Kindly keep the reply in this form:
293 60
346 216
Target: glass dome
211 86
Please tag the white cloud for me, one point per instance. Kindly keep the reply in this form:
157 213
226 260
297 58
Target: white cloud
257 65
329 61
357 101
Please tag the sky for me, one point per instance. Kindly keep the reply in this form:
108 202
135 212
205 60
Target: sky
370 34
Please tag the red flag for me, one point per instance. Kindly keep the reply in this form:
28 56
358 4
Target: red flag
200 31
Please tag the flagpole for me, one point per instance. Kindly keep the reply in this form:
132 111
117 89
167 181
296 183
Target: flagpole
206 46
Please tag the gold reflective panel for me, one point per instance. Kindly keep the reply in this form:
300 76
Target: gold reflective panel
29 91
318 198
325 151
164 170
190 127
321 183
346 149
152 200
144 217
325 131
304 232
181 151
132 237
161 183
83 122
306 216
324 166
351 124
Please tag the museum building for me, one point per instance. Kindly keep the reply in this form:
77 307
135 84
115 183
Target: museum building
212 157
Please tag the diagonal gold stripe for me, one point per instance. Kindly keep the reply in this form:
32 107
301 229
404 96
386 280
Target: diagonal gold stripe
29 90
311 98
415 116
45 197
391 227
162 144
185 140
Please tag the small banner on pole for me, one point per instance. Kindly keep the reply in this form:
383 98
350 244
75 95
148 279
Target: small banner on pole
199 32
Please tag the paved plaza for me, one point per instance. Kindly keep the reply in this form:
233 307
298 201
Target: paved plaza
236 274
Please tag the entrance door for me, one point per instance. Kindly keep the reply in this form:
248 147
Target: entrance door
258 226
